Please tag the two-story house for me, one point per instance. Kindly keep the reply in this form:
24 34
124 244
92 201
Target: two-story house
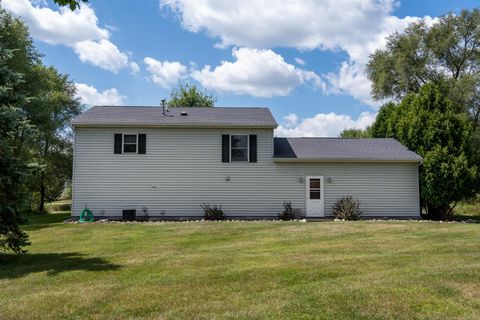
165 163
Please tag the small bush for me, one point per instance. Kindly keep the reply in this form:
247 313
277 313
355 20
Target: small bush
287 213
347 208
212 212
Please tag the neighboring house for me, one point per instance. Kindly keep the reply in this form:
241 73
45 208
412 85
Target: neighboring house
166 164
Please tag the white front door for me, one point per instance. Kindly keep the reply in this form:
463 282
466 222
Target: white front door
314 192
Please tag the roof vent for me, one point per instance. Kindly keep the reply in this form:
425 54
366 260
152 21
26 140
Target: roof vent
164 107
183 113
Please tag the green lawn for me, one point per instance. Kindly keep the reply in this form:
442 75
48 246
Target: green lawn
217 270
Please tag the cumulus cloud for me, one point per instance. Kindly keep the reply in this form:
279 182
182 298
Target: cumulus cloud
77 29
322 124
358 27
91 96
103 54
260 73
305 24
165 73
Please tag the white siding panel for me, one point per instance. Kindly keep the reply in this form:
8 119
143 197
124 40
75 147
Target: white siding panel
185 168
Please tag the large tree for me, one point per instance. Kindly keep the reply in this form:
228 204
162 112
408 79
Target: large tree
188 95
36 103
52 106
15 134
428 123
446 53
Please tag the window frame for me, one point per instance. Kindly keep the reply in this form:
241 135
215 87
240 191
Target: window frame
123 143
247 147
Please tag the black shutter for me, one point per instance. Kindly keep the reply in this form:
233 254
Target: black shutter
142 143
225 148
252 148
117 147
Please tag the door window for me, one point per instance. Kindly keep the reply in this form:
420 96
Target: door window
314 189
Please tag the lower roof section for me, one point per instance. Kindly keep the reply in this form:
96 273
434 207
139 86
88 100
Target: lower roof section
340 149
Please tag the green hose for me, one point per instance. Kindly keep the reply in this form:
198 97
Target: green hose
86 216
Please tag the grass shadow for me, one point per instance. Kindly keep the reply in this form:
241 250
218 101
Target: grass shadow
17 266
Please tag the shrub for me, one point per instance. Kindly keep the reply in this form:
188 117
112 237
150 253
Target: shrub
287 213
347 208
212 212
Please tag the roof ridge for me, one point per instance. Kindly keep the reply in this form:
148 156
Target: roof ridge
159 106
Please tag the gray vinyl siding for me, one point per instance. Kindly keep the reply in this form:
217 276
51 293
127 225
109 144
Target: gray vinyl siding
185 168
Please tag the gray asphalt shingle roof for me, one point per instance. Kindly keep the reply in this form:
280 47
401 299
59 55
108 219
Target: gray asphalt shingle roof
324 149
152 116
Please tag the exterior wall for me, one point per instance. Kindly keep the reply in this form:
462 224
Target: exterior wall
182 169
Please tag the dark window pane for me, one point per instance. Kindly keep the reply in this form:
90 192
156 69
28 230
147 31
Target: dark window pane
239 154
314 183
314 194
129 138
239 141
129 148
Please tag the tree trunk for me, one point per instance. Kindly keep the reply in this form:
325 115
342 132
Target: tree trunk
41 205
43 187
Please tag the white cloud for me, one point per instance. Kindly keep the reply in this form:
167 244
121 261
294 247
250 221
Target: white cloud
322 124
77 29
135 67
300 61
91 96
165 73
103 54
358 27
58 27
307 24
260 73
351 80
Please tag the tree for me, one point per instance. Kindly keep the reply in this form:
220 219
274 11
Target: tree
446 54
14 169
427 123
52 106
36 103
355 133
189 95
73 4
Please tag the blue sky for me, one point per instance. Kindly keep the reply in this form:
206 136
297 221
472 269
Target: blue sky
305 60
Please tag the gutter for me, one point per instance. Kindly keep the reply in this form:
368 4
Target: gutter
336 160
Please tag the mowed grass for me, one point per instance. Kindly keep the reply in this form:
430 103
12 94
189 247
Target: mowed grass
246 270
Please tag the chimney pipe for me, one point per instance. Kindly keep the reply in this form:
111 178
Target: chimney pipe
164 107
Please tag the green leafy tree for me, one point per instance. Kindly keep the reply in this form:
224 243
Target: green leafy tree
72 4
15 131
53 105
446 54
355 133
188 95
427 123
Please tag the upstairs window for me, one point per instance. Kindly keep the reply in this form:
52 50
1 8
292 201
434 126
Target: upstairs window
239 147
129 143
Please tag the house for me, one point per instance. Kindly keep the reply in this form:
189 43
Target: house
165 164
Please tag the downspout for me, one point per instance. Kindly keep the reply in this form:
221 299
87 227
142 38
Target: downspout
73 170
418 189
